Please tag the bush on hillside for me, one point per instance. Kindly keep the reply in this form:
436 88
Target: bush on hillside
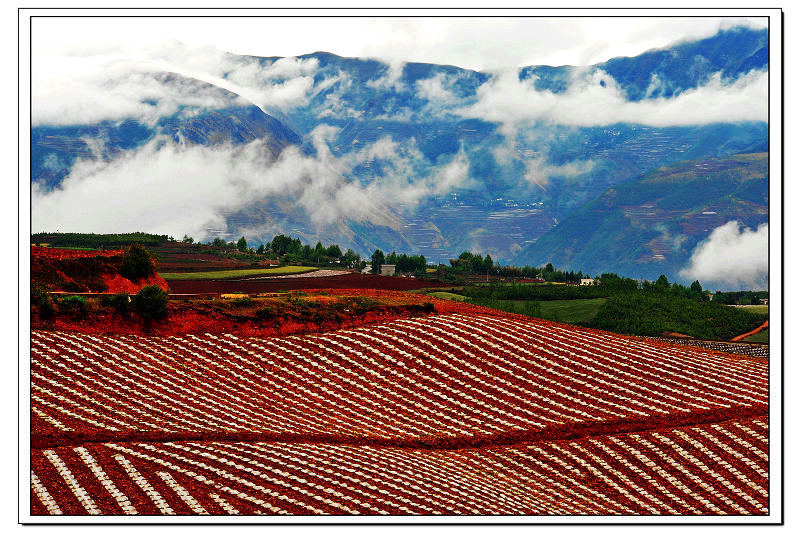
42 300
137 263
120 302
73 304
151 302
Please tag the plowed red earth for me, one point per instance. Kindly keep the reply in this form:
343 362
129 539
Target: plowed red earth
347 281
449 414
58 254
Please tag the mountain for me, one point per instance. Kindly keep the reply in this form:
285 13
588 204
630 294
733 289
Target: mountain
445 159
670 71
651 225
55 149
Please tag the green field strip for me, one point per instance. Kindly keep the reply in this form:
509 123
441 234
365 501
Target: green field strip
229 274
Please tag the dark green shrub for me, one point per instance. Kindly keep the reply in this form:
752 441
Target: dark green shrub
42 300
361 304
243 302
73 304
38 295
137 263
267 312
428 307
151 302
120 302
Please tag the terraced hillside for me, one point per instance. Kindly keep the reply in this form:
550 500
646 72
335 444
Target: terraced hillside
651 225
450 414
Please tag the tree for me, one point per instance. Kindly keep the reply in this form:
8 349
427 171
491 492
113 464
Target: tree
260 249
218 242
422 264
662 283
376 261
151 302
241 245
137 263
351 258
334 251
187 239
696 290
282 244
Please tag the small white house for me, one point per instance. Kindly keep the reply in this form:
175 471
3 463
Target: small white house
387 269
587 281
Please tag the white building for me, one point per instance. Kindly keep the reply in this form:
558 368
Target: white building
587 281
387 269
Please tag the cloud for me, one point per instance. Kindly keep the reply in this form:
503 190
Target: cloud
142 84
86 94
391 78
595 99
538 171
732 256
188 189
435 89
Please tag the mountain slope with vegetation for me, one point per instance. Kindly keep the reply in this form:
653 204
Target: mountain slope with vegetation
651 225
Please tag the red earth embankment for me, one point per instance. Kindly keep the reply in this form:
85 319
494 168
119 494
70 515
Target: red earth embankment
74 270
200 317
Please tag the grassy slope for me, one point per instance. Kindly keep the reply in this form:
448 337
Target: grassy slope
448 296
247 272
755 309
761 337
656 314
572 311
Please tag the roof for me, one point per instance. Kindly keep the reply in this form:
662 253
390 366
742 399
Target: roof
450 414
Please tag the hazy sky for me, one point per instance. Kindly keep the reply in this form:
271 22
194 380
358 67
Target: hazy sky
476 43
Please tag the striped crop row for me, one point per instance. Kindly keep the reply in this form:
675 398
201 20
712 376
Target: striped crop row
451 414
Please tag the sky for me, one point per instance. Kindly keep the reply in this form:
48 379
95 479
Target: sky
500 42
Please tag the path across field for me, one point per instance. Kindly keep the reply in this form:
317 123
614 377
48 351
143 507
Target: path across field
314 274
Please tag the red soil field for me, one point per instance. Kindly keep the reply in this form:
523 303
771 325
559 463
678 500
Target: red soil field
58 254
347 281
181 257
459 414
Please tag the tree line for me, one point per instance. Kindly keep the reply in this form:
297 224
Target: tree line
404 264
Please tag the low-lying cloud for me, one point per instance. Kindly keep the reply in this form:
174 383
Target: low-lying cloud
733 257
70 90
595 99
188 189
538 171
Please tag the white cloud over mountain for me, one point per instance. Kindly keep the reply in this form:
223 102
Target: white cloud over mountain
595 99
732 256
187 189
